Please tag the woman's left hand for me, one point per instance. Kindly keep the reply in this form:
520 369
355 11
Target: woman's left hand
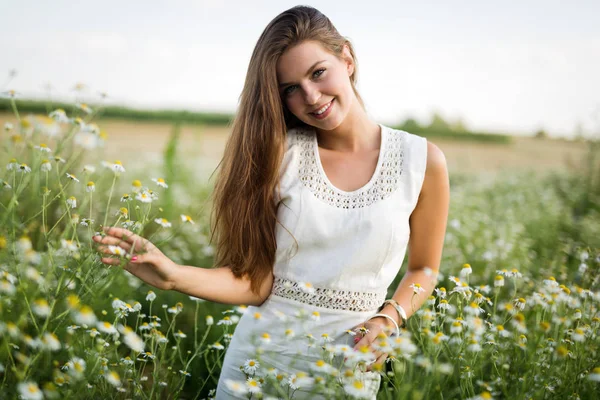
366 333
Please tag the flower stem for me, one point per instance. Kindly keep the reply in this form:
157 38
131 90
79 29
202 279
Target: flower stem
109 198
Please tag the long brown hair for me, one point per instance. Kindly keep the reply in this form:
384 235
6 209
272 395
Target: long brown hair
244 213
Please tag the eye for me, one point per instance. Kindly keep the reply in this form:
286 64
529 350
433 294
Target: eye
319 70
287 90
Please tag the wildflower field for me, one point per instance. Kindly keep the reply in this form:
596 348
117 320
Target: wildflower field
515 314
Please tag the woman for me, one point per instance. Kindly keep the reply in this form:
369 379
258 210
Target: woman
315 206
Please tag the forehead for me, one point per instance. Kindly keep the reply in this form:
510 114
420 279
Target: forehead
295 61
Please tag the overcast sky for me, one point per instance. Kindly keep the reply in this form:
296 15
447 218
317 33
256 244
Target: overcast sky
505 66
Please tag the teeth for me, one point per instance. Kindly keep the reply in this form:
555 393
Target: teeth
322 110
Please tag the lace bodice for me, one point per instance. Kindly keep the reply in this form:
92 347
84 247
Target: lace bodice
345 242
382 184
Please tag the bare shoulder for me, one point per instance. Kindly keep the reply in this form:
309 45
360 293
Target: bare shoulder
436 172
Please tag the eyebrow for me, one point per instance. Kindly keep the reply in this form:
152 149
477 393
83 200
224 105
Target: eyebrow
307 72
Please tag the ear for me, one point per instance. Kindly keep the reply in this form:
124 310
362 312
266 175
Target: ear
347 56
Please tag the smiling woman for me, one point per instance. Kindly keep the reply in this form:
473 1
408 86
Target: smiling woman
314 205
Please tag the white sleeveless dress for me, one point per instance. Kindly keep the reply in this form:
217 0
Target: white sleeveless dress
350 247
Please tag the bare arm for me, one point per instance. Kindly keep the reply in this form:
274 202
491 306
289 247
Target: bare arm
149 264
428 228
219 285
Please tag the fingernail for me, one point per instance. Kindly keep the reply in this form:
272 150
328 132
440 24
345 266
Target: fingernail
356 339
133 258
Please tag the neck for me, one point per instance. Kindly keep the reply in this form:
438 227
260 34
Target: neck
356 133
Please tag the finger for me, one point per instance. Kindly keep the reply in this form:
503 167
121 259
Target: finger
140 244
378 362
111 240
111 260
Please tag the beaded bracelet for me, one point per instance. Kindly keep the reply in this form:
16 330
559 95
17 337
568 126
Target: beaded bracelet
398 308
391 319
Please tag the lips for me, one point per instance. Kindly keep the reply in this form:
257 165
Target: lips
321 106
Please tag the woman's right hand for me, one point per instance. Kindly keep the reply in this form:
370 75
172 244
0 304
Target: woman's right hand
147 262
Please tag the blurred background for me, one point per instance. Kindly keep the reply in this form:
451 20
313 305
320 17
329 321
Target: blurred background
497 86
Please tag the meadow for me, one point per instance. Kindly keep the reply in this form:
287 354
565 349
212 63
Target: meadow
515 313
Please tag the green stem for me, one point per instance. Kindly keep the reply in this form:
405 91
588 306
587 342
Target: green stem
109 198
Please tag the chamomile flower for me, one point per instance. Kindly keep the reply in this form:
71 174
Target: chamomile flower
180 334
315 316
122 212
70 246
72 202
251 366
59 115
41 308
72 177
90 187
417 289
89 169
519 303
106 327
578 335
30 391
225 321
117 167
209 320
151 296
59 159
265 338
499 281
136 186
113 378
24 168
217 346
116 250
306 287
176 309
253 385
131 339
5 185
160 182
163 222
12 165
73 301
144 197
8 127
85 108
474 309
50 342
43 148
9 94
300 380
86 222
187 218
321 366
289 333
594 375
237 387
85 316
466 270
75 367
126 197
46 166
356 388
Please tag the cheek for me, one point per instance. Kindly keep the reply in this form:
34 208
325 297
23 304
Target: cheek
294 104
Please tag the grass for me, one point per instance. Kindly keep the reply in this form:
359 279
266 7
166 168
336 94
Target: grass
515 314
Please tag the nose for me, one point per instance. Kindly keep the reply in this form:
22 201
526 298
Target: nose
311 95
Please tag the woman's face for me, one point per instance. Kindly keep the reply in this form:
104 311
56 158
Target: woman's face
311 80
